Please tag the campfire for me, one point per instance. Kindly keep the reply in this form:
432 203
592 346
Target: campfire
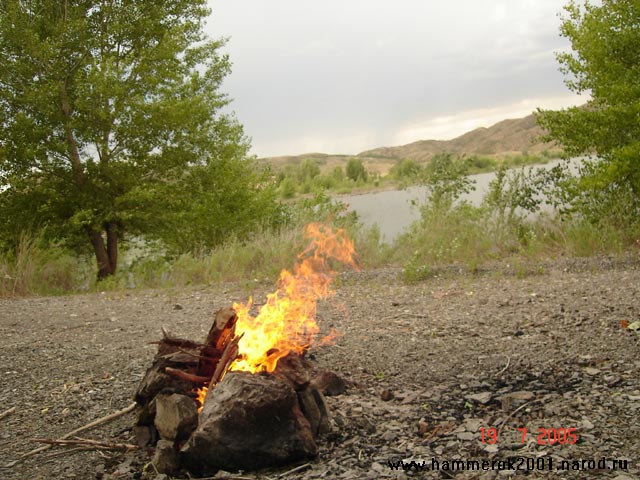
246 398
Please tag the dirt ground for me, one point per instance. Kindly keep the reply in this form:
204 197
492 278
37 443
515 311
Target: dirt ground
431 367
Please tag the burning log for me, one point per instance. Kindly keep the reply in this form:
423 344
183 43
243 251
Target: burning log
181 365
174 372
258 404
247 421
228 356
176 356
220 335
223 327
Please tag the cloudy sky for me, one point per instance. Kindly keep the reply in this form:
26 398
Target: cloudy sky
343 76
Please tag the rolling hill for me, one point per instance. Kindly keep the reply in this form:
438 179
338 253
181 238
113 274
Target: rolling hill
508 137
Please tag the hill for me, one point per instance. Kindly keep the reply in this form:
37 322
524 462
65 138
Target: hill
508 137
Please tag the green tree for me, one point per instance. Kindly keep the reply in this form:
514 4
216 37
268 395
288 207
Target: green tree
446 179
287 187
337 174
407 168
510 197
605 63
111 124
308 169
355 170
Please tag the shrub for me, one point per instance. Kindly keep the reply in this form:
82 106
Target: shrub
35 267
356 170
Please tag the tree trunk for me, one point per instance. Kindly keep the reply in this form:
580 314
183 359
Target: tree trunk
106 255
112 246
72 145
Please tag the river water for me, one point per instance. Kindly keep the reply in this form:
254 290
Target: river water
392 210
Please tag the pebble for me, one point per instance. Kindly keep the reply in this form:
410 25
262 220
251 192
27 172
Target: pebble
466 436
389 436
386 395
482 397
586 424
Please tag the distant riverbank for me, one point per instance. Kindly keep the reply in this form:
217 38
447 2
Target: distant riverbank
393 210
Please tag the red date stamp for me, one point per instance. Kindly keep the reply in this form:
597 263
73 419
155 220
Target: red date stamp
546 436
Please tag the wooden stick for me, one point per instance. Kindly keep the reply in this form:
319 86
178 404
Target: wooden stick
189 377
200 357
225 477
228 356
295 470
88 426
6 413
169 339
88 444
435 431
505 368
223 328
64 452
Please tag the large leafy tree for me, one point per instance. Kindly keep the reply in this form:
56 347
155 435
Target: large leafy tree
111 124
605 63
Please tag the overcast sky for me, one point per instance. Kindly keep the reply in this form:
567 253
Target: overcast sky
343 76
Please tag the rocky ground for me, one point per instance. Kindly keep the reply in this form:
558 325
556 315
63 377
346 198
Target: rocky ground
431 366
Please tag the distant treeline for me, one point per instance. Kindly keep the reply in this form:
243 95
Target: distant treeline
310 175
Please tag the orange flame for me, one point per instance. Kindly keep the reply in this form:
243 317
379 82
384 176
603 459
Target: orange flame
286 322
201 395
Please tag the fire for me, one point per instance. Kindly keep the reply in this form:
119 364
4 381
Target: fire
286 323
201 395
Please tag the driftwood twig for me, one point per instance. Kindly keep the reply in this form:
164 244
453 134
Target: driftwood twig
506 366
87 444
88 426
297 469
224 477
6 413
51 456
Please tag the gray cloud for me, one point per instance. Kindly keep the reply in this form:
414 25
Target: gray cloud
347 75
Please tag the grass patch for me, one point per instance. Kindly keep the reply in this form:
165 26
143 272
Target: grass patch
467 240
454 233
33 268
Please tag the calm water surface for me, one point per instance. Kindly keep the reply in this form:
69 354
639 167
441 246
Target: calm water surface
393 211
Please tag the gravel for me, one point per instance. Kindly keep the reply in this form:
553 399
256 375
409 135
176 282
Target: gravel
446 370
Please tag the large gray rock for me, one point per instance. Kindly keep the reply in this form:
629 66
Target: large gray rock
249 422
